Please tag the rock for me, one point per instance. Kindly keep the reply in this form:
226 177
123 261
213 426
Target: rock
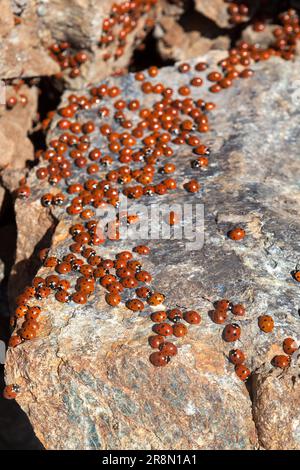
262 38
276 407
24 49
86 381
16 148
177 44
215 10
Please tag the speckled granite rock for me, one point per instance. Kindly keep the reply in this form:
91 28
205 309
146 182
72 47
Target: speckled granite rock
86 382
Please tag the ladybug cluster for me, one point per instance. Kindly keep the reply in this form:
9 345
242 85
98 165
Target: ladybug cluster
136 158
231 333
238 12
116 28
120 23
169 323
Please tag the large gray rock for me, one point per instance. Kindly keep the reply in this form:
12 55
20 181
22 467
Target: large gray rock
86 381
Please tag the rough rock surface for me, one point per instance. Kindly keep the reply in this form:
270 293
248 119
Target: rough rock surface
86 382
16 148
24 45
177 44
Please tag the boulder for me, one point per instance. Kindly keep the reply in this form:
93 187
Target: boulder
86 381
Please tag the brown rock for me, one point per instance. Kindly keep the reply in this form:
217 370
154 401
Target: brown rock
15 124
86 381
276 404
24 50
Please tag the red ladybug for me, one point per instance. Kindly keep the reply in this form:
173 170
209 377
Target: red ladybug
218 316
179 330
192 317
168 349
266 323
156 341
14 341
11 391
236 356
237 233
135 305
238 310
163 329
281 361
156 298
159 317
242 372
289 346
231 332
175 315
158 359
113 299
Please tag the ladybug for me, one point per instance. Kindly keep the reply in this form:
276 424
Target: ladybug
231 332
296 276
125 272
42 293
192 317
63 284
289 346
85 287
124 255
223 304
31 325
27 333
11 391
142 250
281 361
113 299
134 265
266 323
156 298
86 270
236 356
242 372
33 312
21 310
192 186
51 262
58 199
159 317
29 292
46 200
156 341
76 264
79 298
168 349
129 282
107 279
237 233
115 287
238 310
179 330
143 276
158 359
175 315
218 316
63 296
100 272
135 305
38 282
143 292
163 329
23 192
14 341
52 281
63 268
